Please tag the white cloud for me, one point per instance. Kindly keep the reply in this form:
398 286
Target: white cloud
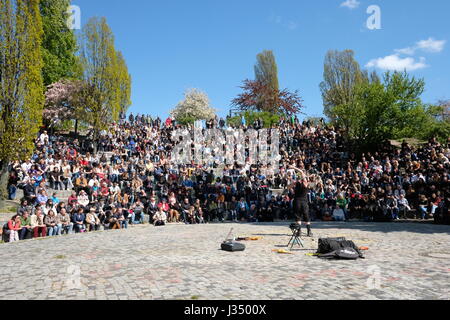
395 63
277 19
292 25
430 45
408 51
351 4
289 24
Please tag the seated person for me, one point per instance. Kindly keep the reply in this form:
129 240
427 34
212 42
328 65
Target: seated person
25 224
198 211
152 208
78 221
38 225
83 198
160 218
326 213
186 210
110 220
211 209
14 228
137 215
64 223
338 214
252 213
242 209
174 208
51 223
119 216
92 221
164 206
191 215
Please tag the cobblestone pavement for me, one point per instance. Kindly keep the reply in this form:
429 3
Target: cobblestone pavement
404 261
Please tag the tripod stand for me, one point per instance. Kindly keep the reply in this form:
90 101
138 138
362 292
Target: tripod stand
296 239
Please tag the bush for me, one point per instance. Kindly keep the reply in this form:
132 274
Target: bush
234 122
186 120
439 130
267 118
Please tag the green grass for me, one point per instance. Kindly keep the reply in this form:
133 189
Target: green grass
11 210
195 298
60 256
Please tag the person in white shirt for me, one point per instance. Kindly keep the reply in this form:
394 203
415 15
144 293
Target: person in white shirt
403 206
160 218
92 181
43 138
114 190
26 166
83 198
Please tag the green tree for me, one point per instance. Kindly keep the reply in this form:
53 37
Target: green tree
268 118
59 45
124 83
435 123
100 74
266 73
383 110
266 69
21 95
342 74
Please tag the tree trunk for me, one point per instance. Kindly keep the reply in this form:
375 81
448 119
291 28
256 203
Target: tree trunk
96 137
4 175
76 127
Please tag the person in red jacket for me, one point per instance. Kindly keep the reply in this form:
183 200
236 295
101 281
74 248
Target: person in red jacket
14 227
164 205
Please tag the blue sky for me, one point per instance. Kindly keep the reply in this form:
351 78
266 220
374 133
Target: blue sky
174 45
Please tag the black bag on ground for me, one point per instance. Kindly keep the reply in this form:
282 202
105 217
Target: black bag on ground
338 248
231 246
5 233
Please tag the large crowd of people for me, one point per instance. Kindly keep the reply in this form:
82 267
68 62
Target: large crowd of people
127 177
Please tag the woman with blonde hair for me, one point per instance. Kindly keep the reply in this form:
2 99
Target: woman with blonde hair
174 208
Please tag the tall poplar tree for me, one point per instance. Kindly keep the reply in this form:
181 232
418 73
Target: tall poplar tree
266 69
100 71
124 83
342 74
21 94
59 44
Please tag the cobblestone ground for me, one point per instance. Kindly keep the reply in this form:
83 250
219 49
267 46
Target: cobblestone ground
184 262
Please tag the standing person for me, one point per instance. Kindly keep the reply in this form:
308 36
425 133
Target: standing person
301 206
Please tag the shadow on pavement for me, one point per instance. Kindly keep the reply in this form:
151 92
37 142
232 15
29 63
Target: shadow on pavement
423 227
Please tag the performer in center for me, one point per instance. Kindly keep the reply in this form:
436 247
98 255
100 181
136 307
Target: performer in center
301 205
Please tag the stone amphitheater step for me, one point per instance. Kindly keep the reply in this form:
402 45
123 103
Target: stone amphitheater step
63 195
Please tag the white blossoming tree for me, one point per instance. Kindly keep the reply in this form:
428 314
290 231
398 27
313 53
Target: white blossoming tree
194 107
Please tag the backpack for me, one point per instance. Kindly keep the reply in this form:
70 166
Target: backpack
338 248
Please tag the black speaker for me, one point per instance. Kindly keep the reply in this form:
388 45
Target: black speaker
231 246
